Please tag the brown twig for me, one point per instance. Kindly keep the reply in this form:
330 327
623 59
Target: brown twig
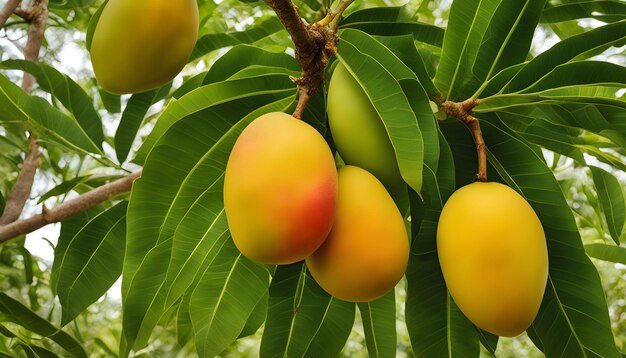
7 10
21 190
37 15
463 111
69 208
314 44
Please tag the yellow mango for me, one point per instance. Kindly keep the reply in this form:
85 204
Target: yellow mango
494 258
367 251
139 45
280 190
358 130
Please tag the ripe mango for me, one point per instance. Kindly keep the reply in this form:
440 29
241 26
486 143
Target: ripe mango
367 251
139 45
358 130
280 190
494 258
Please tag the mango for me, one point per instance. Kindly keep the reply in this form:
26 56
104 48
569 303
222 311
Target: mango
358 130
367 251
280 190
139 45
494 257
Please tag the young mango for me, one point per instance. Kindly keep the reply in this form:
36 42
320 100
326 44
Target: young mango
358 130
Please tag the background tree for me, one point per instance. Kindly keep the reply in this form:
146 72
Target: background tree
552 118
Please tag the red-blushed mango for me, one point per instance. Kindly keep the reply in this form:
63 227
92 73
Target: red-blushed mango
367 251
494 257
358 130
280 190
139 45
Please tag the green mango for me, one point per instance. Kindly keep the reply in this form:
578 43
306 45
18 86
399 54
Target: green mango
139 45
358 130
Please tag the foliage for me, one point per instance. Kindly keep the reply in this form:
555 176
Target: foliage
553 119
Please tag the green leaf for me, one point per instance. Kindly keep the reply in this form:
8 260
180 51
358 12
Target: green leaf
393 21
189 207
580 73
225 297
63 188
607 11
91 262
93 22
69 228
379 325
214 41
133 116
17 313
481 39
609 253
215 95
302 319
403 47
16 105
111 102
605 120
435 324
256 318
564 52
243 56
34 351
369 62
611 197
573 319
66 91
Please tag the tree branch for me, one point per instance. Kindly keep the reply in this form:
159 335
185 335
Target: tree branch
314 44
21 190
7 10
38 15
463 111
69 208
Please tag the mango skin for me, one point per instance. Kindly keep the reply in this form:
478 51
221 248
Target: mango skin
358 130
139 45
280 190
494 258
367 251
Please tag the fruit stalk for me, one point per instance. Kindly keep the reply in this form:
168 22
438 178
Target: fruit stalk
463 111
314 45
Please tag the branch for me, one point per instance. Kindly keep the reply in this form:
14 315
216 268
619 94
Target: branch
7 10
38 15
463 111
314 44
21 190
69 208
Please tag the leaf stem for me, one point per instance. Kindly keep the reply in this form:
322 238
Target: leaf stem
336 14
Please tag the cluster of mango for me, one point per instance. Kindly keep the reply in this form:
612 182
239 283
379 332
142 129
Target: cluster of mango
285 201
